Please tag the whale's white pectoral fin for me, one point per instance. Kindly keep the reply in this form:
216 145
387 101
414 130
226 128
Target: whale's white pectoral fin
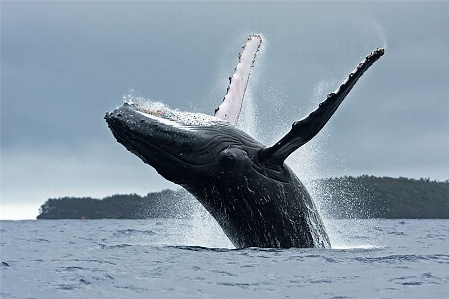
230 109
305 129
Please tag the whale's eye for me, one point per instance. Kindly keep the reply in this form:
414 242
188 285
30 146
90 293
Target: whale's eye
232 157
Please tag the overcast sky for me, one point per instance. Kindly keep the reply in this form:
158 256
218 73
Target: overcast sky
64 64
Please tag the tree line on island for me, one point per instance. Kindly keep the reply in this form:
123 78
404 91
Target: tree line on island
343 197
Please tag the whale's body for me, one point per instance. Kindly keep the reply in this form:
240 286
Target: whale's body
253 195
218 164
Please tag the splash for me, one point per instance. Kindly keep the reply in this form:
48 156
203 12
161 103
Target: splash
204 230
248 121
161 110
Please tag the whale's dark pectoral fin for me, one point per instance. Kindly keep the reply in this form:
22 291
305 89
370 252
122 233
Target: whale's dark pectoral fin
229 110
305 129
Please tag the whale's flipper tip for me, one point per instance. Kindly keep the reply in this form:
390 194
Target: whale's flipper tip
376 54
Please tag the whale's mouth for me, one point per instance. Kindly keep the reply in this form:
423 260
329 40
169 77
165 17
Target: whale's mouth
144 147
141 147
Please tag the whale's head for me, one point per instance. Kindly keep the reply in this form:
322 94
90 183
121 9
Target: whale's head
181 146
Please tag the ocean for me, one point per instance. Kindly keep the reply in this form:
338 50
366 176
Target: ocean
173 258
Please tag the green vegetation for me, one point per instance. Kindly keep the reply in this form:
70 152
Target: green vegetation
164 204
385 197
345 197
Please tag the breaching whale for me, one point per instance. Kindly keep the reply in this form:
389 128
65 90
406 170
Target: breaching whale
246 186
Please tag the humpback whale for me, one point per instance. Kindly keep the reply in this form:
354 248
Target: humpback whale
245 185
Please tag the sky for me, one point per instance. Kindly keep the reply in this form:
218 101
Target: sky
64 64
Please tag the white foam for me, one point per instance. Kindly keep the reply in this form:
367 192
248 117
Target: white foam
163 113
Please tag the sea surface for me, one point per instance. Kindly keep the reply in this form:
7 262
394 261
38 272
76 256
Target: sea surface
170 258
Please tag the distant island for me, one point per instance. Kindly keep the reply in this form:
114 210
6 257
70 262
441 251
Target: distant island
344 197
